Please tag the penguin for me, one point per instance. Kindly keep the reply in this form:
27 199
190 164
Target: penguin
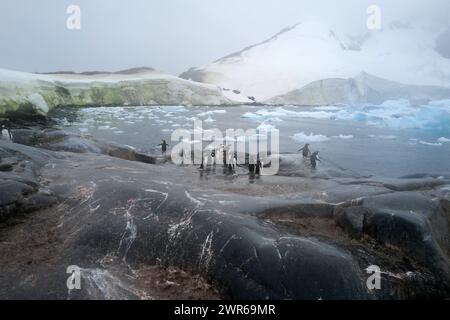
305 151
314 158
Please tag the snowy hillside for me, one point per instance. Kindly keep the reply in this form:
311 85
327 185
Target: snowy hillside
20 91
308 52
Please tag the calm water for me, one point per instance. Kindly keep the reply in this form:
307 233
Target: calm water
389 141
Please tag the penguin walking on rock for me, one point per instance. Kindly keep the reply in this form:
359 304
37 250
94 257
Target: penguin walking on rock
314 158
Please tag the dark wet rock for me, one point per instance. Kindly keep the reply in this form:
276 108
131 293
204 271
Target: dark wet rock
441 226
6 167
12 190
113 217
58 140
17 198
351 220
415 184
405 220
442 175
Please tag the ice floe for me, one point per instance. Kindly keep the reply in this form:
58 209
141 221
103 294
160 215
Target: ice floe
433 144
344 136
382 136
209 119
443 140
211 112
392 114
308 138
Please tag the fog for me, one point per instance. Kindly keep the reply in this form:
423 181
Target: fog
174 35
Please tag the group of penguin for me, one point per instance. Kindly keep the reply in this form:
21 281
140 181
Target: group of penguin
254 167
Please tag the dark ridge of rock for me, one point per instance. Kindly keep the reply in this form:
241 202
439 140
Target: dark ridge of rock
20 190
415 184
351 220
442 175
135 70
406 220
57 140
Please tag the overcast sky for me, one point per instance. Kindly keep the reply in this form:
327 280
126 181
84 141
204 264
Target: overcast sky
171 35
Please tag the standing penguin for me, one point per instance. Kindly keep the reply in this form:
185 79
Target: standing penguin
259 165
5 133
314 158
251 166
164 146
305 151
213 157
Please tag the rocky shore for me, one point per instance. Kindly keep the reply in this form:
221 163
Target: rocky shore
140 227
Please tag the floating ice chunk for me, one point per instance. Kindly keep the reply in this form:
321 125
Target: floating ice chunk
343 136
83 129
171 109
307 138
265 114
328 108
209 119
382 136
443 140
211 112
189 141
275 119
433 144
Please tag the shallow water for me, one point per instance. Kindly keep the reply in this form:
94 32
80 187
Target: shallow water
388 141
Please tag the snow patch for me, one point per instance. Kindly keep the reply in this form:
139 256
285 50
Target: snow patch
38 101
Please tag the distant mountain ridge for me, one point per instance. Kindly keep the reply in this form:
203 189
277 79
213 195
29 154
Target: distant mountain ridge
90 73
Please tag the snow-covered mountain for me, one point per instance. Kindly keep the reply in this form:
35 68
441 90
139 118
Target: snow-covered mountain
361 89
311 51
28 92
